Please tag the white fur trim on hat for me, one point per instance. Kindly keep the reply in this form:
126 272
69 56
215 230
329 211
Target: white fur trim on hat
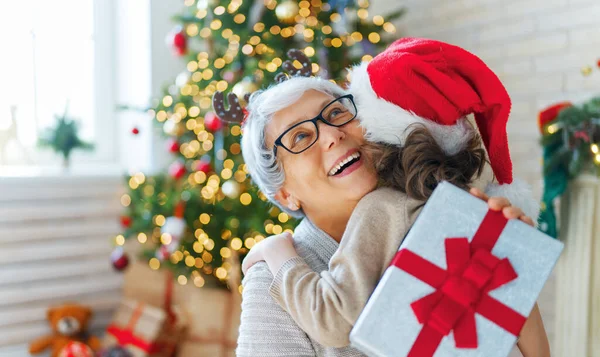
519 194
387 122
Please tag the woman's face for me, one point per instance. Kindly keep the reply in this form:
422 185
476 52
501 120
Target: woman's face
313 178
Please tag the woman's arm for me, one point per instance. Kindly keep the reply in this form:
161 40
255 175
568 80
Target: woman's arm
265 329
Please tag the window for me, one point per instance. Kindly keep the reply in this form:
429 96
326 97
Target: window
56 55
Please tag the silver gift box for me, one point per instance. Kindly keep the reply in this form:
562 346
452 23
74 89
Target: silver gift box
388 327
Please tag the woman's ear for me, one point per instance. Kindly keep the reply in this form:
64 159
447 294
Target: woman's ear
287 200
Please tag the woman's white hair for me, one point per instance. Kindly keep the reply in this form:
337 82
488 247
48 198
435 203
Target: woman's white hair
260 161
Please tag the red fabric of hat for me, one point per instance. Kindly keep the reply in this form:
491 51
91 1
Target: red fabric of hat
443 83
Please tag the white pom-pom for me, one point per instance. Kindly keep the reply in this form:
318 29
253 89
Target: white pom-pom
519 194
174 226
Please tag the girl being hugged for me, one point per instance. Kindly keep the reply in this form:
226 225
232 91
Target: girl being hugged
412 101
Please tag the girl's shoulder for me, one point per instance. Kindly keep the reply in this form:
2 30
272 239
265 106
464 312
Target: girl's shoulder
382 199
383 195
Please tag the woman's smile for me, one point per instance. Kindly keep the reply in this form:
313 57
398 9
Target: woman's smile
346 164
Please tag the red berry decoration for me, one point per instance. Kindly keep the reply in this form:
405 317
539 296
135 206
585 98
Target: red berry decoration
177 170
179 42
76 349
119 258
135 131
173 146
126 221
203 166
212 122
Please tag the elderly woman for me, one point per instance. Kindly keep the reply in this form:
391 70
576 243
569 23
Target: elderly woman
307 153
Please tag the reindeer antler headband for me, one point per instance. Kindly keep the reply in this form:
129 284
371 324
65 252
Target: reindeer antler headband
236 113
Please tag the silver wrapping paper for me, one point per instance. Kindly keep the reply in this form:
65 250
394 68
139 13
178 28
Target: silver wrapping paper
388 327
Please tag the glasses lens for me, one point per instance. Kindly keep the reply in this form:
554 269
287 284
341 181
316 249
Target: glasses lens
300 137
340 111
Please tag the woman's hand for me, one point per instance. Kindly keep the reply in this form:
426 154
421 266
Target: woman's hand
502 204
275 250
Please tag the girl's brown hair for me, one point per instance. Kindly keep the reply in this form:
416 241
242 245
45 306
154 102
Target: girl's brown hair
417 167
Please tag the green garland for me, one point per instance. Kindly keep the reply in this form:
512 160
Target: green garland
570 141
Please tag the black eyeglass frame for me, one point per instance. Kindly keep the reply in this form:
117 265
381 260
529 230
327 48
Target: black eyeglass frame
314 120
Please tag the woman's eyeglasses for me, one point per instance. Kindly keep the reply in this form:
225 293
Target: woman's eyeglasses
304 134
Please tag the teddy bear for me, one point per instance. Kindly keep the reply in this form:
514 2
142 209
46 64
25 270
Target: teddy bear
69 323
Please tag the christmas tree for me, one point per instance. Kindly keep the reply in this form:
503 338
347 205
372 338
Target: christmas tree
205 209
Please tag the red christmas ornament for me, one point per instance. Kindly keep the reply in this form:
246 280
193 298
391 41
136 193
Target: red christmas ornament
203 166
177 170
598 63
179 42
119 258
126 221
212 122
173 146
135 131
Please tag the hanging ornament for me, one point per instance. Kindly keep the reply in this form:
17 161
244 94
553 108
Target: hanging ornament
323 63
126 221
203 166
231 189
173 146
206 4
76 349
242 88
368 47
182 78
286 11
341 5
170 127
178 41
116 351
119 258
586 70
135 130
162 253
177 170
228 76
212 122
598 63
175 225
256 12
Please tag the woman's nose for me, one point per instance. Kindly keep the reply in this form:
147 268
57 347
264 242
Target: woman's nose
330 135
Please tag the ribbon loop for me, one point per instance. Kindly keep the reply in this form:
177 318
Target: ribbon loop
461 290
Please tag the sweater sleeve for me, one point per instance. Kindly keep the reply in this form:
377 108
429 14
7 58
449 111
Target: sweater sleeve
327 305
265 329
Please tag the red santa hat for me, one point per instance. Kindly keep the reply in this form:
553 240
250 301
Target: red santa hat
437 84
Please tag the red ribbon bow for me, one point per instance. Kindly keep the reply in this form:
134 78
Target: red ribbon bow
462 289
125 337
